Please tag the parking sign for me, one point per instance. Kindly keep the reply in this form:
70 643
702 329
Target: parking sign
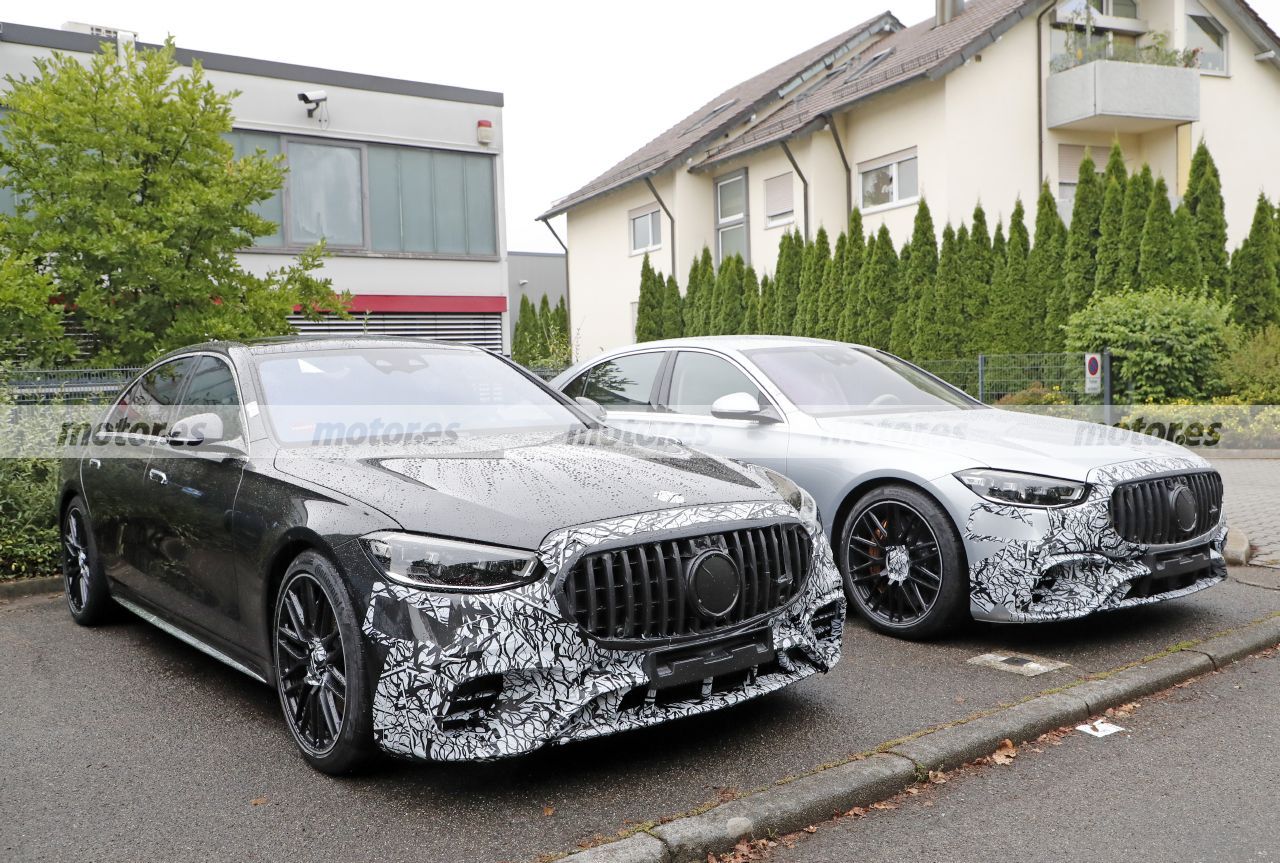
1093 373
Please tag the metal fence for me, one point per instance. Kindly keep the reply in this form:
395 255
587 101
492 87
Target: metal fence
1023 378
65 386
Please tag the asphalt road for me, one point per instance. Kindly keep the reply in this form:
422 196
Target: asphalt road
1191 778
122 743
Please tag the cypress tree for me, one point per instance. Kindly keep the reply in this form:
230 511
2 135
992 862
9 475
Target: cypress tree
1204 201
1155 255
942 325
854 254
918 275
1107 270
978 265
1137 200
729 299
1017 317
1044 274
1080 266
765 313
987 328
1185 272
1201 160
672 313
649 308
786 282
1254 280
521 337
877 282
1115 169
999 247
690 305
816 255
831 294
750 303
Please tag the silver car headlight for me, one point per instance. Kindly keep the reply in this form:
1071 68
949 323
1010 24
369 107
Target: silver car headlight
793 494
1023 489
432 563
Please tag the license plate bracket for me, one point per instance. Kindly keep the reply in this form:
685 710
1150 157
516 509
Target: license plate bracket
681 665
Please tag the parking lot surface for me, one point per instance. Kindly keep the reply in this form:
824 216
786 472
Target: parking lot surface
1253 504
124 743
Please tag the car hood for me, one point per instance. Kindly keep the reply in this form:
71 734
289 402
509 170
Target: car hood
513 490
1010 440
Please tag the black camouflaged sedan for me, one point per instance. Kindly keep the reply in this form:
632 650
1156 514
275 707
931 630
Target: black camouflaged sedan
425 549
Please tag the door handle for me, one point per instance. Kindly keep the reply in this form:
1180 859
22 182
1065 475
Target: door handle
157 476
95 462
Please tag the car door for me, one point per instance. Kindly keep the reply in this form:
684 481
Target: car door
192 488
625 386
113 469
693 382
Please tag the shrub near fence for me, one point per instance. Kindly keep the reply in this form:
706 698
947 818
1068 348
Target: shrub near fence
1018 378
65 386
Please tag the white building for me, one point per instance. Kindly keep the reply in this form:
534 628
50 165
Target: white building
978 103
403 179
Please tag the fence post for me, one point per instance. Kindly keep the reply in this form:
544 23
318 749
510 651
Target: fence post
982 377
1106 385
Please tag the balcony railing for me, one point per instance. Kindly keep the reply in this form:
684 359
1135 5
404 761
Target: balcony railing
1115 96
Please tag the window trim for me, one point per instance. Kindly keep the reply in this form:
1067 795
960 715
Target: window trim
649 210
889 160
721 224
664 410
235 380
655 389
109 435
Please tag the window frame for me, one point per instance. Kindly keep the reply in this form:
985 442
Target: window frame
768 404
891 160
654 213
243 436
104 427
287 141
656 388
722 224
1225 71
787 217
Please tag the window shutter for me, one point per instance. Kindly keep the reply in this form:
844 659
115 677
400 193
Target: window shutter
779 196
1069 158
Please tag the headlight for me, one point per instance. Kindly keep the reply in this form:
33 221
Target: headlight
794 495
445 564
1023 489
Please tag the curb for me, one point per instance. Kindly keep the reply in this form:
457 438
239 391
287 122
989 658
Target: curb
1236 550
30 586
818 796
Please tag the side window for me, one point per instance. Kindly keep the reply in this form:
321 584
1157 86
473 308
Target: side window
145 407
699 379
213 390
623 382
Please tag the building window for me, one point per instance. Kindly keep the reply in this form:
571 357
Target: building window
431 202
1112 8
646 230
1069 158
731 216
1206 35
890 180
326 195
779 200
246 144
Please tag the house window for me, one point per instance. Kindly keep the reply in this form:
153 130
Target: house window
731 216
1206 34
779 200
326 193
1113 8
890 180
1069 158
431 202
646 230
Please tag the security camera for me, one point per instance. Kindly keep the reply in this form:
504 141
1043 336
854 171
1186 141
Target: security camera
313 98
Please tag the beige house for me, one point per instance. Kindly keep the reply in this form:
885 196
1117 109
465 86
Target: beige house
977 103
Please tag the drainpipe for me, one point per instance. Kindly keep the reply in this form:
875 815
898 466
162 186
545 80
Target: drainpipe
568 303
803 182
653 191
848 171
1040 84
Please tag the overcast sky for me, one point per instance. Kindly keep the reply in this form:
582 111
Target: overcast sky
584 84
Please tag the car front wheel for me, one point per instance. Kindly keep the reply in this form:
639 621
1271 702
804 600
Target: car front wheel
320 668
903 564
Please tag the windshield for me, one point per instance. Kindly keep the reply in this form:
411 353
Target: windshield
830 380
377 395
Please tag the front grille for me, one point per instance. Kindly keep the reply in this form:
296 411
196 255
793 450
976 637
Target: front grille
641 592
1143 510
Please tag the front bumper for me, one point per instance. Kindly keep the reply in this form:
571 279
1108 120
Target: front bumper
1034 565
482 676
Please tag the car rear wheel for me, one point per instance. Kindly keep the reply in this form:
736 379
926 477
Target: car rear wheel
320 668
84 582
903 564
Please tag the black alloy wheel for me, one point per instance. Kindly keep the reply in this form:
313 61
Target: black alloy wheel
85 585
902 563
319 667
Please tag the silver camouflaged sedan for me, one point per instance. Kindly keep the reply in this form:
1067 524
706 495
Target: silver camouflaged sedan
937 505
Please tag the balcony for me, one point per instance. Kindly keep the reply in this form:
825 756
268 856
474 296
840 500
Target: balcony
1120 97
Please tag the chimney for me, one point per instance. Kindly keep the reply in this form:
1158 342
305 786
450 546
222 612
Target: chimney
947 10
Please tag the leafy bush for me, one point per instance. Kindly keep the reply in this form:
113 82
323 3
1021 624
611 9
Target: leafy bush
29 537
1162 341
1251 368
1036 394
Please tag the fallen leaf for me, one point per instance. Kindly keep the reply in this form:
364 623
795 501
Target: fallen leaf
1123 710
883 805
548 811
857 812
258 801
1005 752
811 829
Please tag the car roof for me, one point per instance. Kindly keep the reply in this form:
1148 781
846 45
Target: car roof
285 344
731 343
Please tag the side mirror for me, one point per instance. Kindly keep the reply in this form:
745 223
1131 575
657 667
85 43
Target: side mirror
739 406
593 408
197 429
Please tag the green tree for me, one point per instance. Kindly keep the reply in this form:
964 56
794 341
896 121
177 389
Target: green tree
765 314
877 290
1110 259
918 274
751 303
1115 169
1137 200
1080 266
816 255
831 294
729 301
132 203
1155 255
31 330
672 311
525 333
1204 201
854 253
941 330
1184 261
700 295
649 307
1017 316
979 266
786 282
1254 286
1046 288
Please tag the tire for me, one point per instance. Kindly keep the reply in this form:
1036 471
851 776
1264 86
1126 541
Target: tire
903 564
83 581
320 669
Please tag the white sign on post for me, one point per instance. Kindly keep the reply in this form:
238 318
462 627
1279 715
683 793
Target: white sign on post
1093 373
